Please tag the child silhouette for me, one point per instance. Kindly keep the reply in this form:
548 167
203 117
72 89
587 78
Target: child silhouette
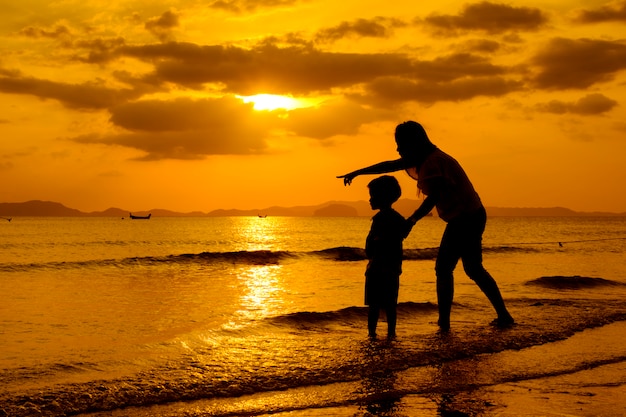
383 248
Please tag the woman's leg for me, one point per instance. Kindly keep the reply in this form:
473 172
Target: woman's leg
472 258
447 259
392 316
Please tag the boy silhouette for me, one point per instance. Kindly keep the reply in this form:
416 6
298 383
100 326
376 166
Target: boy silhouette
383 248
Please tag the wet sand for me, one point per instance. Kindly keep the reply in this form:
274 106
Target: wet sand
584 376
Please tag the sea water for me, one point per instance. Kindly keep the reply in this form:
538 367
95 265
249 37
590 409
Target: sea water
251 316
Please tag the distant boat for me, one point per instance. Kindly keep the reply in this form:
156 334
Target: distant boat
139 217
6 218
262 216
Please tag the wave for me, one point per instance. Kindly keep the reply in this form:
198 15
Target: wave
259 257
348 314
575 282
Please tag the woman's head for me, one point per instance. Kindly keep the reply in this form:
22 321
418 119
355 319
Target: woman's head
412 141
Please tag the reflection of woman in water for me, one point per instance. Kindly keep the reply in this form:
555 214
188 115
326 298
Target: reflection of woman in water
447 187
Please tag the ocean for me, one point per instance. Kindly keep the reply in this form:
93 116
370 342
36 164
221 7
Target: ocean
251 316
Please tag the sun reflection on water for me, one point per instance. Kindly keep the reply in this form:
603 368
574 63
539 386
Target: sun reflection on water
262 295
261 286
261 233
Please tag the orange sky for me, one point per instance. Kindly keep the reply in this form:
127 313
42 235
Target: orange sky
138 104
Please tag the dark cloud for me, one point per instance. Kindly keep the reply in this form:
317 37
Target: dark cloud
394 90
267 68
189 129
58 31
338 117
99 50
578 63
193 129
162 26
485 46
456 66
612 12
488 17
85 96
591 104
242 6
180 114
378 27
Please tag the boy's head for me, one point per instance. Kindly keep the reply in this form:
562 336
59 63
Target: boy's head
384 191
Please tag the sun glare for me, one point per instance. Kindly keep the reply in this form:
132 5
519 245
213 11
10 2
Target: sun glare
272 102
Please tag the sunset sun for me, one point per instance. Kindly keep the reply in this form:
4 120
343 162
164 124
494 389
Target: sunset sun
272 102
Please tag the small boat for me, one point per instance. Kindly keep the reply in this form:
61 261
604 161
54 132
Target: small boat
262 216
139 217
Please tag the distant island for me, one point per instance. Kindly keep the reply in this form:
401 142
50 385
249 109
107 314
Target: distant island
37 208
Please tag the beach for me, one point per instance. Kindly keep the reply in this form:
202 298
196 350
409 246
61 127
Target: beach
582 375
250 316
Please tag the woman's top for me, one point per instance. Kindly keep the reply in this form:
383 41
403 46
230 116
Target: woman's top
456 193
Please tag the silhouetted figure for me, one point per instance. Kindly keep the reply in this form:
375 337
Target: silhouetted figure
383 249
446 186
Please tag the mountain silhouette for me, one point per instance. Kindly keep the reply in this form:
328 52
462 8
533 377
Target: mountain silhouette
38 208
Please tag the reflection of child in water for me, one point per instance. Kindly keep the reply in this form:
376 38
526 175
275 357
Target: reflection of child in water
383 248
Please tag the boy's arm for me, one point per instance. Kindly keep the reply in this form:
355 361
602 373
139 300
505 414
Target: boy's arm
379 168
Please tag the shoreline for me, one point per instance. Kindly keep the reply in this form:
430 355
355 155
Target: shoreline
475 369
461 388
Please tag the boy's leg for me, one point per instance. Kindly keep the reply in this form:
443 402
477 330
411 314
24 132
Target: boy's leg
372 319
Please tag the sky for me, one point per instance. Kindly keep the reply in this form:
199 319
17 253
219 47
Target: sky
196 105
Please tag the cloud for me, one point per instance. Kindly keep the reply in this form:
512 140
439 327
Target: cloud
265 68
578 63
182 114
57 32
193 129
591 104
454 66
85 96
241 6
99 50
162 26
612 12
337 117
486 46
377 27
394 90
299 70
488 17
455 77
188 129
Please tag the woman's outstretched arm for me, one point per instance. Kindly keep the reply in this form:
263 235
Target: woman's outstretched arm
379 168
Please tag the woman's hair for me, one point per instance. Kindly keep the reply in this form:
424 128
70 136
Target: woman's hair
414 133
413 144
386 188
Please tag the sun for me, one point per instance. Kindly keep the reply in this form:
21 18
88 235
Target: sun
272 102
